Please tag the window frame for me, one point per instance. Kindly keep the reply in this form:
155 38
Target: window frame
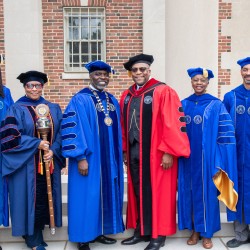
80 13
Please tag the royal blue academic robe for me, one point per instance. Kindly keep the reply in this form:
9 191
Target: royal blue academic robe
19 151
94 201
212 141
237 103
5 103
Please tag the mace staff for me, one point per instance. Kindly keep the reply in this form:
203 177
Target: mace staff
43 126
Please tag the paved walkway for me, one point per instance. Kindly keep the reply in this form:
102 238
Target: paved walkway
171 244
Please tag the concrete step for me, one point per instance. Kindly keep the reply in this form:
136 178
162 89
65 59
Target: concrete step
62 233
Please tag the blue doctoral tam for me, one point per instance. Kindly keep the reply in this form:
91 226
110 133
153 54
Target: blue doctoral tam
244 61
98 65
200 71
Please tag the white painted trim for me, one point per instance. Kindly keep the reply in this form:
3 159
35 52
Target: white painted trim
74 76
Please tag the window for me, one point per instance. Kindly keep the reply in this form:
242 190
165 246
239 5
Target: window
84 36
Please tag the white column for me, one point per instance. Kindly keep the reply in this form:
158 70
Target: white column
191 41
23 40
154 35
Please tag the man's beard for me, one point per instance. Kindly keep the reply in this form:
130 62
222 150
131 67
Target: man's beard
247 81
101 86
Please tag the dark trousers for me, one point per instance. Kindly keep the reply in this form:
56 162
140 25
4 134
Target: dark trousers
135 173
34 240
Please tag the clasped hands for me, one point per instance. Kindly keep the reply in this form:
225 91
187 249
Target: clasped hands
48 153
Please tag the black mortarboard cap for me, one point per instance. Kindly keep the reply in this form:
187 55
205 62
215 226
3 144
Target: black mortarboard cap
148 59
33 76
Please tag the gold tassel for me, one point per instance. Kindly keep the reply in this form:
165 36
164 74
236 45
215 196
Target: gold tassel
48 81
129 73
205 73
40 168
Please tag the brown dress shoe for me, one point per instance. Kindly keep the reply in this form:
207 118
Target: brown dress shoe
194 238
207 243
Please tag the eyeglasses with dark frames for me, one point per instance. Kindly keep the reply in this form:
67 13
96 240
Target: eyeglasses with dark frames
141 69
29 85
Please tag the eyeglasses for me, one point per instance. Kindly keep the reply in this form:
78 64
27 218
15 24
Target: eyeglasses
31 86
141 69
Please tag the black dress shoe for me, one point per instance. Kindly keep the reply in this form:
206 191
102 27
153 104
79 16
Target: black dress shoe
43 244
83 246
135 239
105 240
156 244
236 243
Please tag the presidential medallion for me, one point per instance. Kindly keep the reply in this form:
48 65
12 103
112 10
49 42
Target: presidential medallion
108 121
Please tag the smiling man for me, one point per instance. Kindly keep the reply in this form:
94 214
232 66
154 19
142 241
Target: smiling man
154 136
91 134
237 102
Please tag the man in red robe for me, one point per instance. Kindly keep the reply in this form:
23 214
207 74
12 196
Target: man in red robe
154 136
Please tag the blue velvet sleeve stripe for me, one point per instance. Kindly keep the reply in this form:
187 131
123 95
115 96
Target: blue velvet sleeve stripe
226 131
225 117
69 147
225 128
68 136
8 121
226 140
10 136
69 114
69 125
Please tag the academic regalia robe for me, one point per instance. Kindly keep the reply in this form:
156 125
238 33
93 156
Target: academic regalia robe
20 165
212 140
5 103
237 102
94 201
162 129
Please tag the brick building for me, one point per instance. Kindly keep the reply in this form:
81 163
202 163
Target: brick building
58 36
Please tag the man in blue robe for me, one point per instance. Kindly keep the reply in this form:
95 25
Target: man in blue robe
237 102
91 135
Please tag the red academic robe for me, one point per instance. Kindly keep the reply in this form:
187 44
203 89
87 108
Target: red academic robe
166 123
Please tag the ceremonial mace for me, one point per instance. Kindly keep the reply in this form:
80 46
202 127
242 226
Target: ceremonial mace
43 126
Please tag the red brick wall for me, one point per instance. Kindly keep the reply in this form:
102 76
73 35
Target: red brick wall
2 50
123 39
224 44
